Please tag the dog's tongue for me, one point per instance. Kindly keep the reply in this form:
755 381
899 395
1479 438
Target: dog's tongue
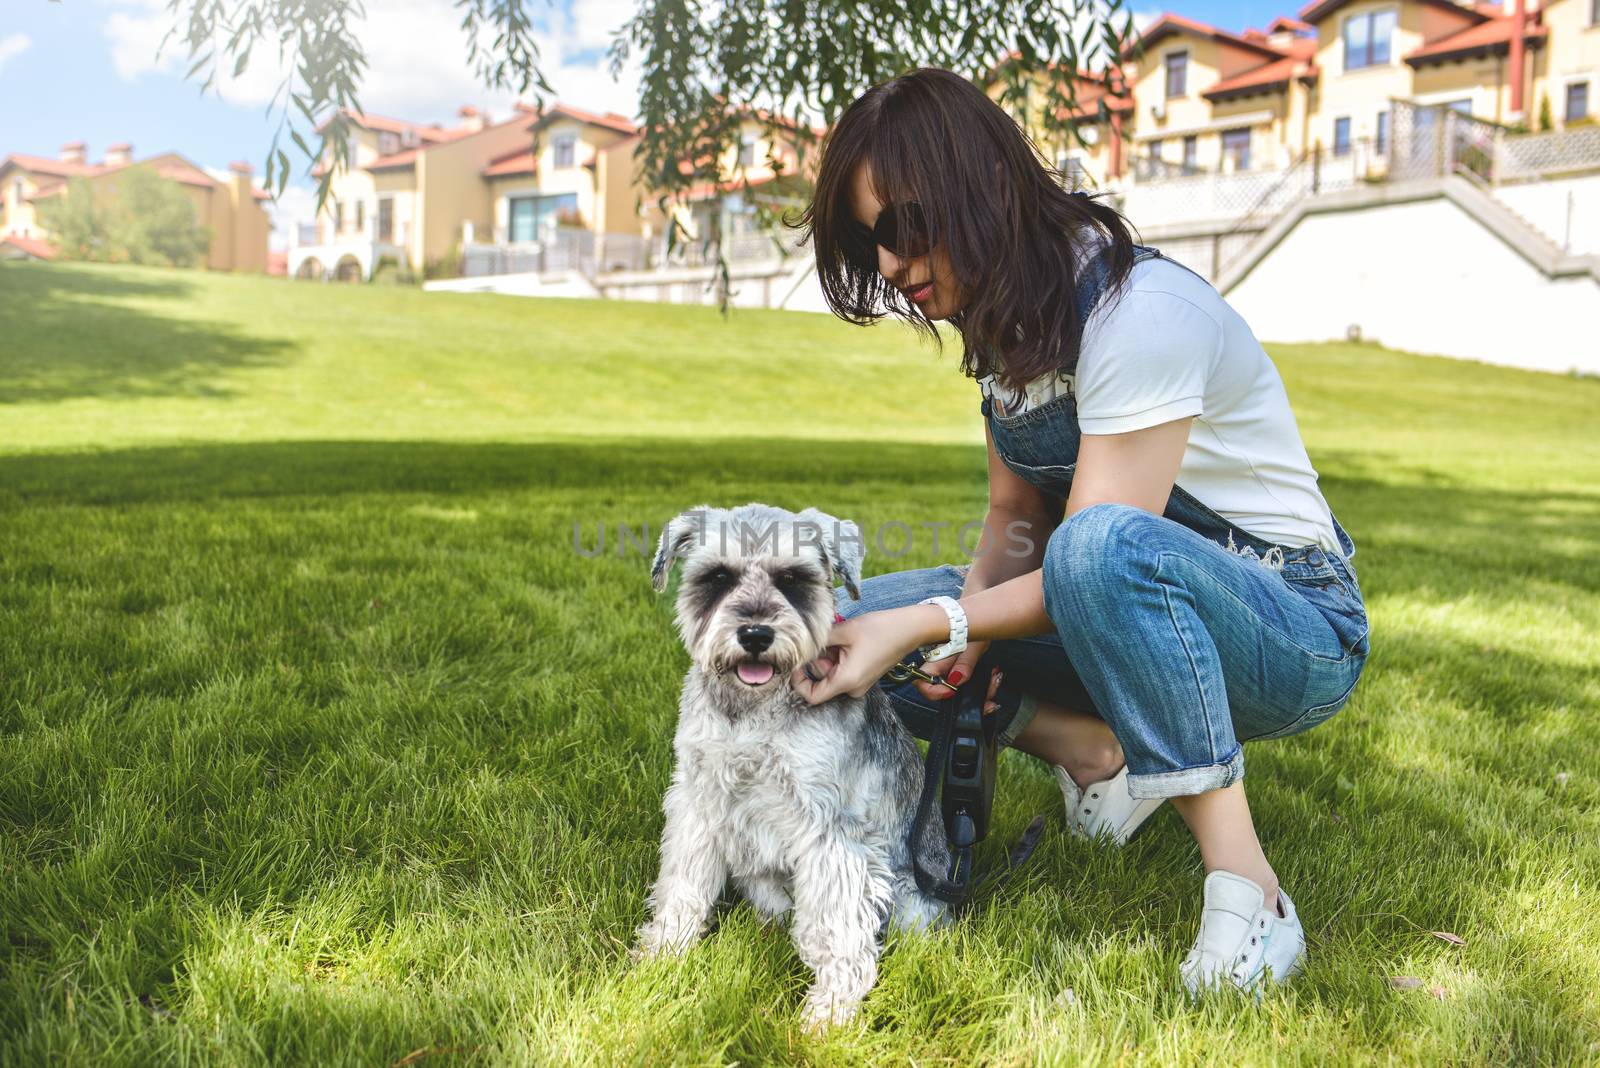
754 673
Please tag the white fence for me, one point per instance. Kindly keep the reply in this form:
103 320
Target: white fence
1555 152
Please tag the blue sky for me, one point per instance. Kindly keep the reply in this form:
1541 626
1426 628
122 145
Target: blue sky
88 70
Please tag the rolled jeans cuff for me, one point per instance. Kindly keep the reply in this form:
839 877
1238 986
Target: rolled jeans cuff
1186 781
1026 709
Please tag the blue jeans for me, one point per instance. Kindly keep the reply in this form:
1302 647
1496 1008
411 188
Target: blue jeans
1183 647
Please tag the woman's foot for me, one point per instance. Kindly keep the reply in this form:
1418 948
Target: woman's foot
1243 941
1104 808
1088 763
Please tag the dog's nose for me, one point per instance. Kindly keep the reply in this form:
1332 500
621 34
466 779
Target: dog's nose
755 637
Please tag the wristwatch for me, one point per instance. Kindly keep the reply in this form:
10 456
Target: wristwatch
958 630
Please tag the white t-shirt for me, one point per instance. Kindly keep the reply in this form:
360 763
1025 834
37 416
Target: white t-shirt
1171 347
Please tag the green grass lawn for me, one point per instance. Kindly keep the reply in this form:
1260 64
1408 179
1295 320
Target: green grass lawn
320 744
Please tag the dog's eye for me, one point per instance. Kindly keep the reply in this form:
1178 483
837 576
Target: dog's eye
788 579
718 576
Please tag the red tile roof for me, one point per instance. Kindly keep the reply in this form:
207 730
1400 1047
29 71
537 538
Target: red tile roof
395 161
46 165
520 162
430 134
1486 38
1285 24
1317 10
1169 24
610 120
1269 76
36 247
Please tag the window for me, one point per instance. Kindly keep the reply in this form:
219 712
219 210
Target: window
1071 168
563 151
18 194
1382 141
747 151
338 216
1236 149
1577 100
1191 152
1462 106
532 218
386 220
1594 12
1341 136
361 216
1177 74
1367 38
1153 149
388 144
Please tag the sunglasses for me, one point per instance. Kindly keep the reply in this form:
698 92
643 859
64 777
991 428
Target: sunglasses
900 228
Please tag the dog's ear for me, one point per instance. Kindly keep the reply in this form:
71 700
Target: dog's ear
677 537
842 547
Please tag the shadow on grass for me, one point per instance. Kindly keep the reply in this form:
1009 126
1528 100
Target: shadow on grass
1453 539
70 332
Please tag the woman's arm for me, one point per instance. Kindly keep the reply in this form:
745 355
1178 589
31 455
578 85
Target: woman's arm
1020 520
1137 468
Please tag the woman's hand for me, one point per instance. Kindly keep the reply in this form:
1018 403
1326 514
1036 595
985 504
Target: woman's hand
860 651
957 668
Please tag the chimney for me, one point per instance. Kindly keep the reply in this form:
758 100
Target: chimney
119 155
471 118
241 167
74 152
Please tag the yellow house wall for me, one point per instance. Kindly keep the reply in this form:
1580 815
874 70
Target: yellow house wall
1571 53
1206 60
1482 81
20 216
349 185
250 225
399 186
1361 94
451 189
621 200
1209 63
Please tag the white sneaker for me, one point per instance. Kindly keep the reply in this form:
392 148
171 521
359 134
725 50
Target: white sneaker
1240 941
1104 808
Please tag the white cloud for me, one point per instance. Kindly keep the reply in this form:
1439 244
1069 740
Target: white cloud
417 64
13 45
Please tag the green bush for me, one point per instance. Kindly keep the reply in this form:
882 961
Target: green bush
146 219
390 271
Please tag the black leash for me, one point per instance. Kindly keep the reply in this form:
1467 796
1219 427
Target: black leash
960 772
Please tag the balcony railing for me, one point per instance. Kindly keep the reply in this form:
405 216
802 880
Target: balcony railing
322 233
590 254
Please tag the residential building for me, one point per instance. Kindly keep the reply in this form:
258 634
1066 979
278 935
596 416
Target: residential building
423 194
1093 158
1199 99
229 206
763 164
1566 72
1206 99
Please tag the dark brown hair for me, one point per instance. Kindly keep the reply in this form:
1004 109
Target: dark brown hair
1015 238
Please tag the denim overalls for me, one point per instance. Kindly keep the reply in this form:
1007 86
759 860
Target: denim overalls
1186 633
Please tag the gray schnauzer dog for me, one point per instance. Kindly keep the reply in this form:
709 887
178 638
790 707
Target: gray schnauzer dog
807 808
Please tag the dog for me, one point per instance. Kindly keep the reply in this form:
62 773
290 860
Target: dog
807 808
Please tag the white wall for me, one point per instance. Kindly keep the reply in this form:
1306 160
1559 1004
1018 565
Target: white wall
1565 209
1422 276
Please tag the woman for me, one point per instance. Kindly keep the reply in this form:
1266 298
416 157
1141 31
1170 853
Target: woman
1159 574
